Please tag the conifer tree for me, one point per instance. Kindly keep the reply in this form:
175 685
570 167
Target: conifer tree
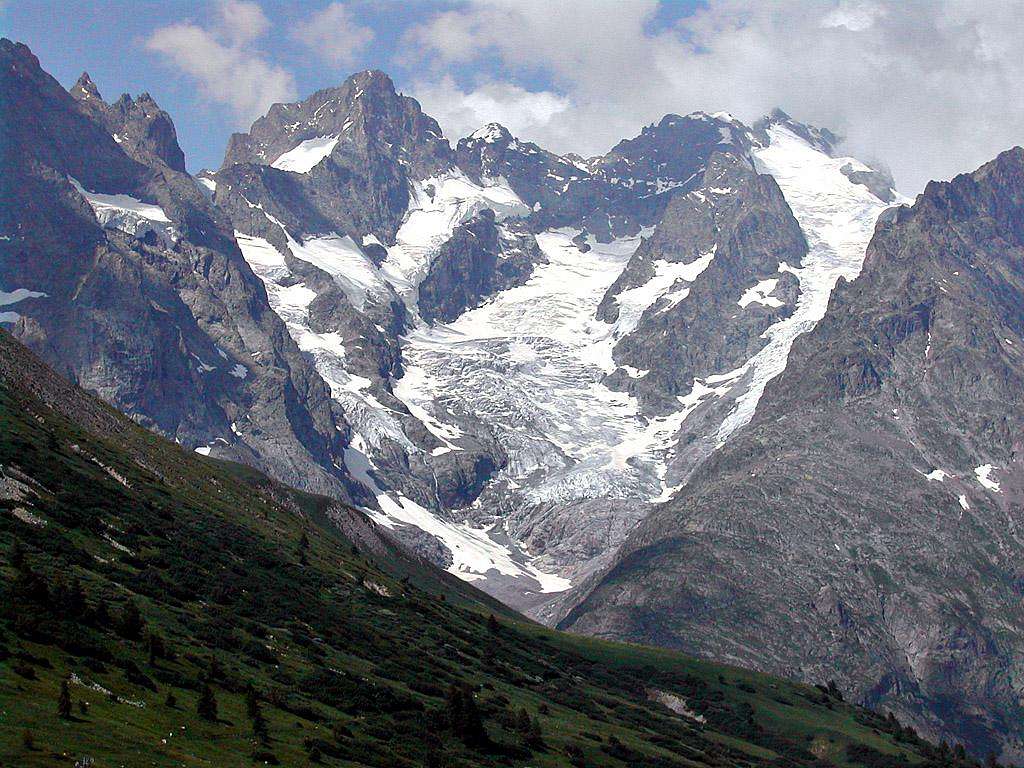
17 554
131 621
252 702
523 721
255 712
464 717
534 736
74 600
155 648
206 707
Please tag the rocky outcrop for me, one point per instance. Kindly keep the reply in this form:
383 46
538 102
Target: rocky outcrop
864 526
609 196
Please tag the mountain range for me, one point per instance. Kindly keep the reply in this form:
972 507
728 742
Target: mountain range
722 389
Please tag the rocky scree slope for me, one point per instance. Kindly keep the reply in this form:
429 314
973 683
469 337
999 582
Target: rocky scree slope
865 525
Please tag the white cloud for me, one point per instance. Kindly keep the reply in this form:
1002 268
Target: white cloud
223 61
931 87
242 22
334 35
523 112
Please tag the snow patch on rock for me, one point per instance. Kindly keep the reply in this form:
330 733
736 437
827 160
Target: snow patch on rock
307 155
126 213
984 475
761 294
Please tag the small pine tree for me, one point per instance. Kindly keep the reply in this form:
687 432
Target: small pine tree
69 597
523 721
83 707
464 717
206 707
64 700
17 554
28 741
260 732
216 670
100 615
833 690
534 736
314 754
131 621
171 701
255 712
575 754
252 701
492 624
304 548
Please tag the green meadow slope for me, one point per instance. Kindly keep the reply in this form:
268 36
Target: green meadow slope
197 614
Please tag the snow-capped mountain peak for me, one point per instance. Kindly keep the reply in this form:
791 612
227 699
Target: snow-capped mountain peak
491 133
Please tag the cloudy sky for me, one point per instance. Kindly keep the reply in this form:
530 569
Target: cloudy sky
929 87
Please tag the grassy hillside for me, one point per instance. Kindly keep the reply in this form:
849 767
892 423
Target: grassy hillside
162 609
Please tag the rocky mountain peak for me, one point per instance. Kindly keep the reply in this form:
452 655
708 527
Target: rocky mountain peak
371 82
14 54
364 118
143 130
820 138
85 88
673 152
492 133
998 186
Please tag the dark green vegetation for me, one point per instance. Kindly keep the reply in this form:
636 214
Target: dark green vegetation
164 609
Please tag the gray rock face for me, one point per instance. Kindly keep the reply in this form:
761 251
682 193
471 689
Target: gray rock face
735 230
478 260
610 196
136 289
864 526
